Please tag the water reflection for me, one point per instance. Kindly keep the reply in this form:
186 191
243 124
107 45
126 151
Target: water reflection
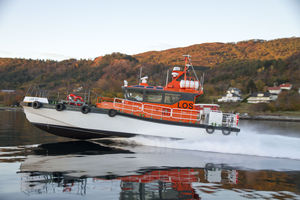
16 130
160 184
85 168
107 169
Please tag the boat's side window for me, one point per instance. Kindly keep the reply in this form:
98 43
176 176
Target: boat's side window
135 95
172 98
153 97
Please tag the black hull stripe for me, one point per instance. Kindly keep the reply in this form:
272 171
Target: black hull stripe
79 133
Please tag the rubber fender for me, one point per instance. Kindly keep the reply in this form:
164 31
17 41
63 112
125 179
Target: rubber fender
210 129
85 109
60 107
36 105
226 131
112 112
209 166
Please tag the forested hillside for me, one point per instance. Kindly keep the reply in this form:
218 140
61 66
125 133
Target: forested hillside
212 54
246 65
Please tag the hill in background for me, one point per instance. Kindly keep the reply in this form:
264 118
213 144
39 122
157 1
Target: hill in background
212 54
247 65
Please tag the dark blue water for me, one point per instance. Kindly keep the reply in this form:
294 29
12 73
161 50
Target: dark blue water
37 165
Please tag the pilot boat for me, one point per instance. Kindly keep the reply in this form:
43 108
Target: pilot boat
162 111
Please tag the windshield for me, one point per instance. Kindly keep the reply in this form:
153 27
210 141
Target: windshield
153 97
134 95
172 98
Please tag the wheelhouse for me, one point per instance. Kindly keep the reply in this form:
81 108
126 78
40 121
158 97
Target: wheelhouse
156 95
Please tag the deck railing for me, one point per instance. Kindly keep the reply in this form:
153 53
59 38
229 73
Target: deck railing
127 106
148 110
156 111
229 120
186 114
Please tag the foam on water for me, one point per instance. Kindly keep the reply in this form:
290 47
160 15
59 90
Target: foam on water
248 142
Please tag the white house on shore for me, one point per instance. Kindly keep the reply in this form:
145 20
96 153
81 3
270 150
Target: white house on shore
232 95
261 97
280 88
286 86
271 95
274 90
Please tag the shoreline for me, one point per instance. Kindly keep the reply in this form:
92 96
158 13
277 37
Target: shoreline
11 108
272 118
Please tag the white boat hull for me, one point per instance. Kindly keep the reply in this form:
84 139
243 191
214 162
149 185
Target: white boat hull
102 125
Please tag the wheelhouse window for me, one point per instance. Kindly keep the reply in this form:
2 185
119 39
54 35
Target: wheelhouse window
153 97
134 95
172 98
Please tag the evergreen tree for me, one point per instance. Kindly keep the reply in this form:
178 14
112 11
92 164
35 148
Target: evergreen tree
251 87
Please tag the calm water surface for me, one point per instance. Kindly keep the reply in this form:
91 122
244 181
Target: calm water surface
37 165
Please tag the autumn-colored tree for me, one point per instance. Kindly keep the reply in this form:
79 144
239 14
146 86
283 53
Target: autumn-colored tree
288 100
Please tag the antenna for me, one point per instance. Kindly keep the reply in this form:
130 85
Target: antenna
167 77
202 81
194 72
141 70
189 64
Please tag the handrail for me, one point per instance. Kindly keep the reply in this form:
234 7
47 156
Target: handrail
160 109
100 99
168 113
155 110
128 107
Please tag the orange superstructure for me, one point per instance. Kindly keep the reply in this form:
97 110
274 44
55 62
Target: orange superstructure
174 102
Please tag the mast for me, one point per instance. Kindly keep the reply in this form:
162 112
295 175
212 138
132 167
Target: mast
167 78
140 76
187 61
181 81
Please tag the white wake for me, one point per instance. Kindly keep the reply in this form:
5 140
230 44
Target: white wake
248 142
